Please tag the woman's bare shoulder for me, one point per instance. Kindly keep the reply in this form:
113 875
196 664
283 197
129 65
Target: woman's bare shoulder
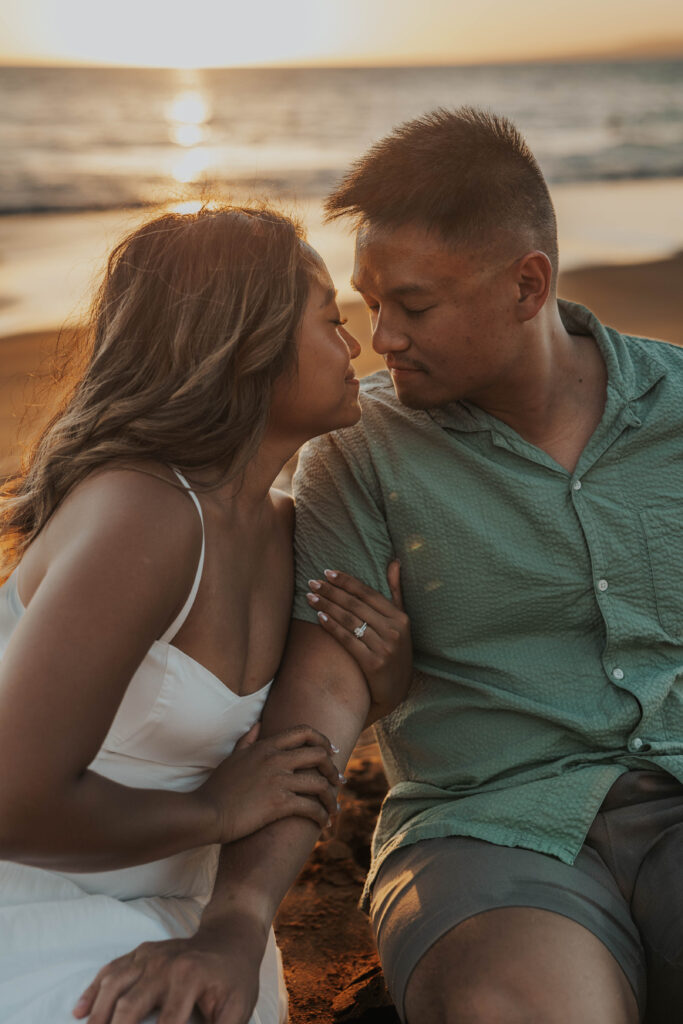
133 514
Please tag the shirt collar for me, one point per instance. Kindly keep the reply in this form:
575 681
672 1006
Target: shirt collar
632 370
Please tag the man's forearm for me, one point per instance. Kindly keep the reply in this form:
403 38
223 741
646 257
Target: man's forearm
321 686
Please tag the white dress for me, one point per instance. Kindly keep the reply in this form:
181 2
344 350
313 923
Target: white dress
176 722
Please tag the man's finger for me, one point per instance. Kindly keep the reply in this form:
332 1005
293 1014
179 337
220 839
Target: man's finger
134 1005
179 1002
114 983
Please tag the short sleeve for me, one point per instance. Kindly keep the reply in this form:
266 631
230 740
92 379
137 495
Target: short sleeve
340 523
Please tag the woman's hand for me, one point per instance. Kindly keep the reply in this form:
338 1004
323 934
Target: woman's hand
215 970
375 631
289 774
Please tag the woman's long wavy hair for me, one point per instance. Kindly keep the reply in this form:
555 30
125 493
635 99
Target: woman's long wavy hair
193 323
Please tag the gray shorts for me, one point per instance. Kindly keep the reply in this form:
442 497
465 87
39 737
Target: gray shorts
626 887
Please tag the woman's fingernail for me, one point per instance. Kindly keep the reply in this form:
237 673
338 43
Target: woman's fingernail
322 616
315 584
342 778
338 806
334 748
331 574
313 598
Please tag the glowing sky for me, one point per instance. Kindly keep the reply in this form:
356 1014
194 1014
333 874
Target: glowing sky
204 33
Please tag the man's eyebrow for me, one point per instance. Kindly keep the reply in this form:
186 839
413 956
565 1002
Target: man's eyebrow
409 289
330 296
402 289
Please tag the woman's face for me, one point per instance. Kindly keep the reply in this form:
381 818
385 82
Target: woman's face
322 392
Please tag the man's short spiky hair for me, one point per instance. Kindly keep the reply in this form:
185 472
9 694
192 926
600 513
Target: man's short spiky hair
466 174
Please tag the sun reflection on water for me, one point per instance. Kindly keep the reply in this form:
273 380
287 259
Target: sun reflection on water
189 107
188 115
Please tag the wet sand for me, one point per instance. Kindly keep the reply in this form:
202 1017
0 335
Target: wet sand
331 966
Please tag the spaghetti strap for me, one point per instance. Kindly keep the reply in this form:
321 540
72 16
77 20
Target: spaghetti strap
185 610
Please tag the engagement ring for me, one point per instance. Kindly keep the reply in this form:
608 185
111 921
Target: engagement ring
359 630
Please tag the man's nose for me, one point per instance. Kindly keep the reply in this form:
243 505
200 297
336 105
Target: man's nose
386 337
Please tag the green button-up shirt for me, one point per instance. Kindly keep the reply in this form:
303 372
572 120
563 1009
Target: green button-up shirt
546 606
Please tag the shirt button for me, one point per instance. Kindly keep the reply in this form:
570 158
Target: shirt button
603 585
576 486
617 673
636 743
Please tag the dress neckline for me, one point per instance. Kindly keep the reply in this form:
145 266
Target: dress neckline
210 676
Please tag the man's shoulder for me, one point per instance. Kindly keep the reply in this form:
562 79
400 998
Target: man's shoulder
667 352
649 360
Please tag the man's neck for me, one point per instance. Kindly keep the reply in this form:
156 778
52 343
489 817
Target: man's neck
558 398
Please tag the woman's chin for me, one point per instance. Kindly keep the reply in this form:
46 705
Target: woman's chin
346 417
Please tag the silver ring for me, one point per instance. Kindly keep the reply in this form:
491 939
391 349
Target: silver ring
360 630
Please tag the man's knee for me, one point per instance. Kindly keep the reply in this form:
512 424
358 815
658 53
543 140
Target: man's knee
461 1000
519 966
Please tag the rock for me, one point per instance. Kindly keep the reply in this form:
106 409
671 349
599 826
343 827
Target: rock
365 1001
334 849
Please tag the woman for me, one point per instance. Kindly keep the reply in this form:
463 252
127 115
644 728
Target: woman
149 601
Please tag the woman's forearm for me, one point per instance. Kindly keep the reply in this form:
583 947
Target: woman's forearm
99 825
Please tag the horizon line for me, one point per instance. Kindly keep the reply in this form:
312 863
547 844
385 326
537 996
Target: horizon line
622 56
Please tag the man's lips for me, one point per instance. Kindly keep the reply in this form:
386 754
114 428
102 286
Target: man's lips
394 368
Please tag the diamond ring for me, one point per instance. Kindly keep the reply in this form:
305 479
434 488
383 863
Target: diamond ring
360 630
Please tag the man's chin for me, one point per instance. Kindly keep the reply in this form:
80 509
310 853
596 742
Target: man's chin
413 397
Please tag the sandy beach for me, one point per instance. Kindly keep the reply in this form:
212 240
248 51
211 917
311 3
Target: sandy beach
331 966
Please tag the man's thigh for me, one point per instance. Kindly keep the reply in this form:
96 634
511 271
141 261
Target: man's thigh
519 965
466 926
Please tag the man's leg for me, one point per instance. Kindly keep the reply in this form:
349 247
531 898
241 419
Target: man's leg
519 965
657 908
469 931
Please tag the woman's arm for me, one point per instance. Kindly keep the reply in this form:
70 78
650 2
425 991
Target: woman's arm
120 562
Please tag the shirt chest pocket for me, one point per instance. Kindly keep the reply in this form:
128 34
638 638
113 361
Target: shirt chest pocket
664 537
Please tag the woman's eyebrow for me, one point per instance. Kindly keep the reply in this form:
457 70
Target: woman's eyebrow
330 296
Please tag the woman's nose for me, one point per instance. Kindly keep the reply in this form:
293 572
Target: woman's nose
352 343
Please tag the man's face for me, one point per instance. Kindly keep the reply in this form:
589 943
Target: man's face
442 317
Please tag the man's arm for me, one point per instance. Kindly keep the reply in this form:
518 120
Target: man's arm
218 968
321 684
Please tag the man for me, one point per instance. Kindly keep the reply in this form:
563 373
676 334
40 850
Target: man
525 463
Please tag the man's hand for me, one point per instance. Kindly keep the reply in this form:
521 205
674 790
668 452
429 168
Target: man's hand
215 971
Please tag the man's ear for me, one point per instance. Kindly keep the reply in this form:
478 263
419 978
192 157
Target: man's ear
534 280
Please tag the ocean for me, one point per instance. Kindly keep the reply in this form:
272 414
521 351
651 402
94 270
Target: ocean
74 139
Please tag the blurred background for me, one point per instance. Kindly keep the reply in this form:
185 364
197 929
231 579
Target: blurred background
108 109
